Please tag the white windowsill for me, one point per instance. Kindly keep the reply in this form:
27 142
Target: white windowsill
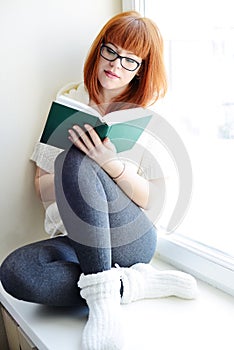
167 323
205 263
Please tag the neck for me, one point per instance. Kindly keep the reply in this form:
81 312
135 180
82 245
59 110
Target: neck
106 98
101 108
109 95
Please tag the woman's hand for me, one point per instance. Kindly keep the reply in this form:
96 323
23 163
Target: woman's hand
102 152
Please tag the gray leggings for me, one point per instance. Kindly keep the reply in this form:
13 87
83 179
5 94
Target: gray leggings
104 228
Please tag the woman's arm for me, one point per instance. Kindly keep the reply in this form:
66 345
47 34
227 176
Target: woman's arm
143 192
44 185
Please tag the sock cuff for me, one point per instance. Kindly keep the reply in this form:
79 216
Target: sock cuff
133 285
98 278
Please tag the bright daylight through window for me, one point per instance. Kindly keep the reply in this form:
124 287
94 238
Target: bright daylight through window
199 53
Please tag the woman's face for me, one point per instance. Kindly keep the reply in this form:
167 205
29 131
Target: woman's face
112 76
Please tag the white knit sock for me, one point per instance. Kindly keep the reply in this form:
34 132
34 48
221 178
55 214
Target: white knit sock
142 281
103 330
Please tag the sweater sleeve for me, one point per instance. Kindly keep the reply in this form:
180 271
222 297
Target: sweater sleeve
44 156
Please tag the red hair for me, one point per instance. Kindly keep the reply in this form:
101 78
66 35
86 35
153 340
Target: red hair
141 36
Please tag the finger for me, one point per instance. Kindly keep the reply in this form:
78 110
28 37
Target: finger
94 136
83 135
73 136
75 139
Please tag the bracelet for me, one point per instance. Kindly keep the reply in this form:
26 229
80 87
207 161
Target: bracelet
116 177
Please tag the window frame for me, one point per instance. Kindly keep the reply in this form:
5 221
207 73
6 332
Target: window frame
204 262
208 264
134 5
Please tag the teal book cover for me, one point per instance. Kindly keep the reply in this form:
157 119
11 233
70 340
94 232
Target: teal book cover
123 134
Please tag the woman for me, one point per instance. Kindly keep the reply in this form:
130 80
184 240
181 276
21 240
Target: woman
99 199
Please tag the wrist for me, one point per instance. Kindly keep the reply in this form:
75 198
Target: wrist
120 174
114 168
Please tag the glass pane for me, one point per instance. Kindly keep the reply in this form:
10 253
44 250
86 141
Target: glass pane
199 53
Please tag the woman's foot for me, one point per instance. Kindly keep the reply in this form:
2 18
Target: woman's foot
103 330
142 281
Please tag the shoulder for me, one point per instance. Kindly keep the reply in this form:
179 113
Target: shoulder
76 91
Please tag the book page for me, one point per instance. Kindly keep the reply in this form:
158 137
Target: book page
69 102
127 115
120 116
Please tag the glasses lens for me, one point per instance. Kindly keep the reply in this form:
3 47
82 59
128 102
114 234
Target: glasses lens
129 63
108 53
126 62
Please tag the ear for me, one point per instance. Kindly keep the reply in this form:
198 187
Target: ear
139 72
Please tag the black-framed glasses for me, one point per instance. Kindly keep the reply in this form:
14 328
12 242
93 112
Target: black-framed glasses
111 55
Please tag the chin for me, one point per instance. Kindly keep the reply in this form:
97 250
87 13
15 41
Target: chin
110 85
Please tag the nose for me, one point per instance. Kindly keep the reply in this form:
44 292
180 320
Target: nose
116 63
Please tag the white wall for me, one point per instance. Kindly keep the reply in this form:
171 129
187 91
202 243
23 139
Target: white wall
42 47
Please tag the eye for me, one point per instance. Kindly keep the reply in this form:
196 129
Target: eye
110 51
130 60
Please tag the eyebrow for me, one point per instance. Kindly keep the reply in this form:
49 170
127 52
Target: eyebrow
117 49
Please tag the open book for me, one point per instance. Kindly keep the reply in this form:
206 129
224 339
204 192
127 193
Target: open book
123 127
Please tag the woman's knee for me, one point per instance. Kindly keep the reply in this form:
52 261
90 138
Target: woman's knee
13 270
69 161
42 271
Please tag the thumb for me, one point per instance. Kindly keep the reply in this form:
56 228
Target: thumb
107 142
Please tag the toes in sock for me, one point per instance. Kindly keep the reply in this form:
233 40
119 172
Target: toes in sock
142 281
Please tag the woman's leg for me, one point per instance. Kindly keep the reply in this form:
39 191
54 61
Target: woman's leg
108 228
44 272
105 225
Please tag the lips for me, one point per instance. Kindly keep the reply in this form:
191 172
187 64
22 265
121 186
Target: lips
110 74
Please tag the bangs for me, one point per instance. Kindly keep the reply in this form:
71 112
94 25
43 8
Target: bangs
131 36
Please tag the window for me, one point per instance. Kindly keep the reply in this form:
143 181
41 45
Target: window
199 55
